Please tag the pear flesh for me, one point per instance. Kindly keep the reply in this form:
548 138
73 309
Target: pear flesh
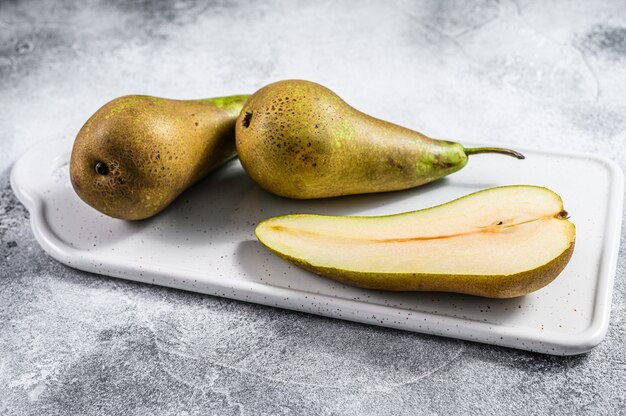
137 153
300 140
501 242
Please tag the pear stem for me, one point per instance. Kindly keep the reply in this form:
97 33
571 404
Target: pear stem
509 152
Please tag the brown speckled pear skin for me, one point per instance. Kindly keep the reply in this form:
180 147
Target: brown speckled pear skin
298 139
136 154
501 242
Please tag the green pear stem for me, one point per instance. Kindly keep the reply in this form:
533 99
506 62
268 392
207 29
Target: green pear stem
509 152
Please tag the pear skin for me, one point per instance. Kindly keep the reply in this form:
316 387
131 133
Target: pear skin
136 154
298 139
500 243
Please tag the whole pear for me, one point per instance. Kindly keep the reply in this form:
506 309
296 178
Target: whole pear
137 153
299 139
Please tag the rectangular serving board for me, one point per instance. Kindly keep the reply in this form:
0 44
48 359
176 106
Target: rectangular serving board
204 242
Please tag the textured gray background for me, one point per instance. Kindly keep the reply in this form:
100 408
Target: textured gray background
527 73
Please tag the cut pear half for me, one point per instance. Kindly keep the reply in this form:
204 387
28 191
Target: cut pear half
500 242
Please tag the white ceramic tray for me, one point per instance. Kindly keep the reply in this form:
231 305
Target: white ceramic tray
204 242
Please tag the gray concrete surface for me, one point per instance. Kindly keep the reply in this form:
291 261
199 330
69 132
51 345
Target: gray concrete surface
540 74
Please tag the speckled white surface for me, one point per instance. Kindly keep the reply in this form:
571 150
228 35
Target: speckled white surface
205 243
534 74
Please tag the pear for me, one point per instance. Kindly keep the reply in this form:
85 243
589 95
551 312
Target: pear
500 243
298 139
137 153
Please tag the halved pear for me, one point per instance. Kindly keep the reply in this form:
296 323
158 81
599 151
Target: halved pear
500 242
